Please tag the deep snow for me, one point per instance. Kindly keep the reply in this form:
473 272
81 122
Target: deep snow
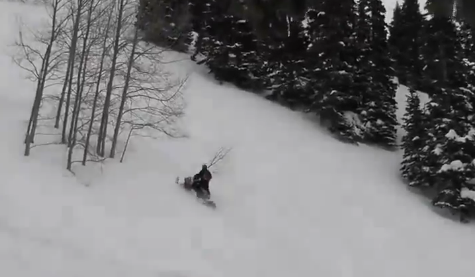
292 201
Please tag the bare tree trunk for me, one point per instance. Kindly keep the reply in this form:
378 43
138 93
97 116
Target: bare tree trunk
98 84
41 83
124 94
33 108
80 88
30 122
126 144
105 113
71 62
61 100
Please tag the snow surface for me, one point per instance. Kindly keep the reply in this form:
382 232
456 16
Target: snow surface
292 201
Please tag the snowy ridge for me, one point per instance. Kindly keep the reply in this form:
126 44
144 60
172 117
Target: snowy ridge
292 201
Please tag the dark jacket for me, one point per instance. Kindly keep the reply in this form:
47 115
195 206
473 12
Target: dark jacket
200 181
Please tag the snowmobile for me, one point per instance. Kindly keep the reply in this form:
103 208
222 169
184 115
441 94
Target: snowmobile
203 197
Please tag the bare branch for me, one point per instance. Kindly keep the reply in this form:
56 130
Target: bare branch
219 156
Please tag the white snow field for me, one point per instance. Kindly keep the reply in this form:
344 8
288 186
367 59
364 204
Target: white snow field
292 201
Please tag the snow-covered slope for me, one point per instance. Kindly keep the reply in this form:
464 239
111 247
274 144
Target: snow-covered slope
292 201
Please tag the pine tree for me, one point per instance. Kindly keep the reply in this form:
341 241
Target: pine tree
413 141
443 56
232 55
165 23
287 71
203 14
145 14
378 105
451 148
375 75
467 39
395 32
405 41
332 58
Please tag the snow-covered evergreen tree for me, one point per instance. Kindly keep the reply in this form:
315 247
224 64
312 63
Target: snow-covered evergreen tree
454 148
378 107
286 61
439 149
413 142
203 15
165 23
451 151
396 31
445 162
333 57
467 40
233 56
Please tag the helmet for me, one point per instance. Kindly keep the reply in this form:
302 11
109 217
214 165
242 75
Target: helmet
204 167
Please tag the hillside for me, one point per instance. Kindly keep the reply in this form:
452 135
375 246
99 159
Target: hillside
292 201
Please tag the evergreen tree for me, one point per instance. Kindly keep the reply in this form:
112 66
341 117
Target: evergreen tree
203 13
333 62
413 141
165 23
232 55
467 39
406 33
363 31
451 149
145 14
443 56
378 107
395 32
287 69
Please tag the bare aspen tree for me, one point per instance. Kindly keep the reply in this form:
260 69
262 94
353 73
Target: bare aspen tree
124 93
105 112
98 82
131 131
29 137
153 101
67 44
79 87
71 62
61 99
56 25
80 79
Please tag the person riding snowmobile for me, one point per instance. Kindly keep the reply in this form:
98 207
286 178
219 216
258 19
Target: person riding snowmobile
201 182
